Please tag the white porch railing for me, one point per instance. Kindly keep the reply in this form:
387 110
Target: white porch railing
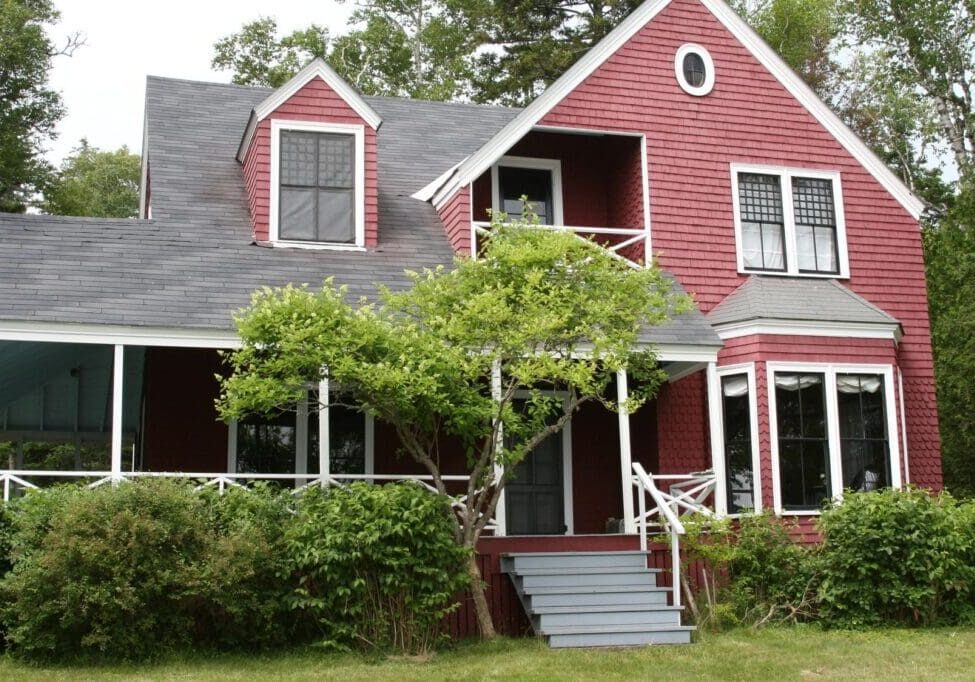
16 479
631 236
686 494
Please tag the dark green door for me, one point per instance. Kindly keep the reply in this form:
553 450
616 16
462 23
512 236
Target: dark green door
534 498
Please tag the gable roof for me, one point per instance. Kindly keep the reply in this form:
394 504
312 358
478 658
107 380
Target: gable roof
193 264
773 299
317 68
505 138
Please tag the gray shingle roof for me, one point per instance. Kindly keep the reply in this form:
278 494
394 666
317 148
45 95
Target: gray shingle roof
796 299
193 264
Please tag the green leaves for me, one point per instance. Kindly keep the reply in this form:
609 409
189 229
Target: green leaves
95 183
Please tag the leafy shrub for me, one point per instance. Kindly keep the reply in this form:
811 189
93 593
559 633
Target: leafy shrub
897 557
244 579
103 572
377 565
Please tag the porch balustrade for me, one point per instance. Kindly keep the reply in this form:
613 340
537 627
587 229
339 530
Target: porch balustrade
630 237
686 494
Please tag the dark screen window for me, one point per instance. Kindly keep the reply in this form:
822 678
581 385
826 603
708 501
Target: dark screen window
533 184
800 403
740 474
863 432
317 200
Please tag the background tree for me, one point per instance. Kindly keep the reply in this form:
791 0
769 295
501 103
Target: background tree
257 56
29 110
95 183
950 255
553 311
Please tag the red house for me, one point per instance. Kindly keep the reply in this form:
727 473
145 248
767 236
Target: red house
805 370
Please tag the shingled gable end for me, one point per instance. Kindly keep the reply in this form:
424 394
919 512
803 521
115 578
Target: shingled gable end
801 249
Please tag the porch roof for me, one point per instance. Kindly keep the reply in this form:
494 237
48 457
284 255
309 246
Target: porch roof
195 263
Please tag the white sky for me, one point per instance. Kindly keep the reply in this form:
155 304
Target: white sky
103 84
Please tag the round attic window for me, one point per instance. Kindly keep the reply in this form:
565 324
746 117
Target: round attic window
694 70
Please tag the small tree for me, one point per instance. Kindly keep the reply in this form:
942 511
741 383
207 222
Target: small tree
550 309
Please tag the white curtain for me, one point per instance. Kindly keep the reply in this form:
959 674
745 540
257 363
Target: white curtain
795 382
735 386
856 383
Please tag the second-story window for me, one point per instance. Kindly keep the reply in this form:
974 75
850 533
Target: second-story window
789 221
317 180
539 181
317 187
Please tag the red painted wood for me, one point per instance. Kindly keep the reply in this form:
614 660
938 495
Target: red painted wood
182 432
684 431
316 101
751 118
456 217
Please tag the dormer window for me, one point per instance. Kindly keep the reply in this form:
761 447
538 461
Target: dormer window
538 180
317 176
789 221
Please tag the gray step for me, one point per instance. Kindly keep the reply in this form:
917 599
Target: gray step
633 635
518 562
530 581
643 596
546 620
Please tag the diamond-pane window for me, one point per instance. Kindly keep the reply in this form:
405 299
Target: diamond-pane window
317 193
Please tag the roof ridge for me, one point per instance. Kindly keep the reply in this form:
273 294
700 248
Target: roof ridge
44 217
197 81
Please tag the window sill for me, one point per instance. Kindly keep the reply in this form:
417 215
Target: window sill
808 275
312 246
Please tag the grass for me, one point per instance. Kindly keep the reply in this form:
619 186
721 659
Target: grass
774 654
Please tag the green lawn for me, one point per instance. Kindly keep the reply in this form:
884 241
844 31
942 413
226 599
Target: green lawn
788 654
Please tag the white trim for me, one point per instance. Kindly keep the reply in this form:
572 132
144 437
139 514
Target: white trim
903 409
855 330
426 192
829 372
716 418
626 455
695 90
822 113
500 508
232 446
554 166
359 191
786 175
324 429
672 352
645 187
161 337
317 68
481 160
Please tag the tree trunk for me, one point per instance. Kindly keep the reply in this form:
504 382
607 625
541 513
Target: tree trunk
481 608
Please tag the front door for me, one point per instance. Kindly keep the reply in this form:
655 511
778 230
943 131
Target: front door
535 496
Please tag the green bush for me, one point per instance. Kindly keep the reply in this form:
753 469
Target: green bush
377 565
897 557
105 572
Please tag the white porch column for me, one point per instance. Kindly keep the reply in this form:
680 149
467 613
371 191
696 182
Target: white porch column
626 456
118 375
500 516
717 439
324 445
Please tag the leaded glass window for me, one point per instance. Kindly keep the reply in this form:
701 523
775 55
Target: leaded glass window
815 211
762 223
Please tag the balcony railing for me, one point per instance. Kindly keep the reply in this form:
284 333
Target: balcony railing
632 237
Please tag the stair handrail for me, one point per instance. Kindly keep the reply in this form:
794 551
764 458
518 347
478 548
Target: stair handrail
671 523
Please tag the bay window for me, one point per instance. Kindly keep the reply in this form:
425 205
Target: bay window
789 222
740 446
831 429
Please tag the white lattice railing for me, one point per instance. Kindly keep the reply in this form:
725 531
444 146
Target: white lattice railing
631 237
685 494
15 481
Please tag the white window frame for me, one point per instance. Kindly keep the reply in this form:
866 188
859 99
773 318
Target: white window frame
716 411
359 191
552 165
829 371
708 85
785 175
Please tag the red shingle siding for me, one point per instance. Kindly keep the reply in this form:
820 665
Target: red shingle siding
684 440
316 101
456 217
751 118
